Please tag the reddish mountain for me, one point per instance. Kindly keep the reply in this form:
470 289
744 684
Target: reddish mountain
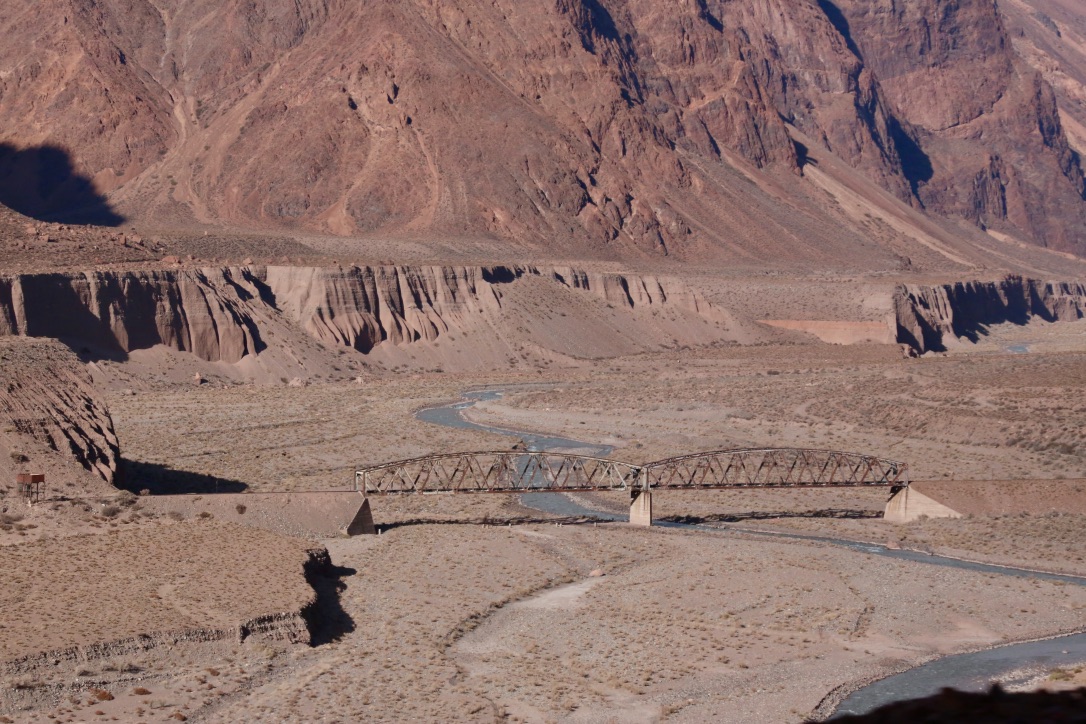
687 128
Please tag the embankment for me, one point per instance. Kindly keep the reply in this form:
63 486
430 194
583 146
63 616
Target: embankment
223 314
928 316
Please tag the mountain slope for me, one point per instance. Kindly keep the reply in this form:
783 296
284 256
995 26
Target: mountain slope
574 124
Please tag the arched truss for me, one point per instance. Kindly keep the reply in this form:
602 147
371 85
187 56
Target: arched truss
513 471
496 472
775 468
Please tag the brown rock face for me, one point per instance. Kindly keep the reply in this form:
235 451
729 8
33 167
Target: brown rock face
223 314
194 311
990 142
928 314
573 123
51 415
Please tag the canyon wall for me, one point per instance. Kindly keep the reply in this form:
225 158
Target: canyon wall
928 315
220 315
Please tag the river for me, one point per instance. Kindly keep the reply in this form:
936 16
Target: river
1011 664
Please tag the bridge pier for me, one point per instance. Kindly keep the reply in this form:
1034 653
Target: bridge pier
362 523
641 508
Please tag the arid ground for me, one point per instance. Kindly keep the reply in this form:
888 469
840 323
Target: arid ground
477 608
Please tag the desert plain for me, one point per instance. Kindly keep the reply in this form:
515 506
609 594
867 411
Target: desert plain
480 607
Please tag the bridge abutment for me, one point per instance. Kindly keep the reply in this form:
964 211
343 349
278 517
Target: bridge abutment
906 505
641 508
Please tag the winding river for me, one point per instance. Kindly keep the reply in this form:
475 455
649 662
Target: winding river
1011 664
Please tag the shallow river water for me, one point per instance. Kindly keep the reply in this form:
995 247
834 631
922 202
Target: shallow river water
1011 664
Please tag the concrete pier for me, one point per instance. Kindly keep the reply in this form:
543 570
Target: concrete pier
641 508
362 524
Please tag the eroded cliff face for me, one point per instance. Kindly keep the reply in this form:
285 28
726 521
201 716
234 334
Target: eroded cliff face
928 315
220 315
199 311
51 415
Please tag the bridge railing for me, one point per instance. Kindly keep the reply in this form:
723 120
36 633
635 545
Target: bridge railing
507 471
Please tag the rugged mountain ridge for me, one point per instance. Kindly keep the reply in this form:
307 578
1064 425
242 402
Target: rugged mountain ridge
606 123
222 314
927 315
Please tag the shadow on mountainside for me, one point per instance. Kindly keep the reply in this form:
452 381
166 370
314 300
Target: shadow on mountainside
41 182
136 476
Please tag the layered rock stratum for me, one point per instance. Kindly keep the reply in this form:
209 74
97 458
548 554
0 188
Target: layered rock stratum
699 129
52 418
230 314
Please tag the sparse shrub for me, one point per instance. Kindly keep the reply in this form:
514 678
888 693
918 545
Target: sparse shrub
101 695
205 515
175 515
240 508
140 691
110 510
18 457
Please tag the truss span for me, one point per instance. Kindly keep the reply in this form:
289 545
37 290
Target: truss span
496 472
512 471
774 468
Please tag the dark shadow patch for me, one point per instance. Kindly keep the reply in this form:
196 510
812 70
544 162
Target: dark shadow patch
326 617
41 182
501 275
602 21
840 23
915 164
770 515
931 339
803 157
164 480
714 22
995 707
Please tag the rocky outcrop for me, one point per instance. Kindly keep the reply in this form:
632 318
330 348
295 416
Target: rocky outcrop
363 307
635 291
928 315
199 311
218 314
49 406
980 130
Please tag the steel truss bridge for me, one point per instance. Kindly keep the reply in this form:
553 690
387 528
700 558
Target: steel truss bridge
513 471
